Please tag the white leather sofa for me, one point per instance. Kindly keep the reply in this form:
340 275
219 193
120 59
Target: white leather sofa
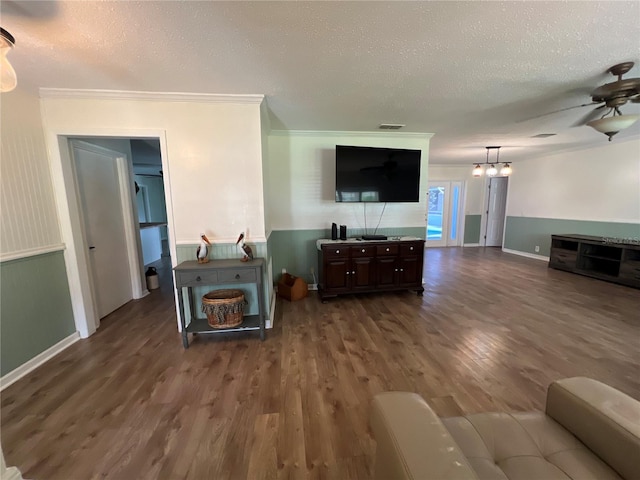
588 431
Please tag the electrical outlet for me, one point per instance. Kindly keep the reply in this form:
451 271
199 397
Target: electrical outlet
284 270
537 249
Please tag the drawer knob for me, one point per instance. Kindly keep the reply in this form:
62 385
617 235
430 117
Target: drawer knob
337 251
198 278
363 250
387 249
353 273
410 248
237 276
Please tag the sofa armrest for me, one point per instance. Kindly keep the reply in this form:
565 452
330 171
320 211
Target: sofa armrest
412 441
606 420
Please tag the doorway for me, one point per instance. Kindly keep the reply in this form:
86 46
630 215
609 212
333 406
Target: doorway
104 207
444 205
494 216
72 217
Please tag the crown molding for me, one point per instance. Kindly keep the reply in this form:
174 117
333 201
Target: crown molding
70 93
325 133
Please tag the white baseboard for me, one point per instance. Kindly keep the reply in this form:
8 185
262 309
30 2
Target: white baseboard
525 254
15 375
471 245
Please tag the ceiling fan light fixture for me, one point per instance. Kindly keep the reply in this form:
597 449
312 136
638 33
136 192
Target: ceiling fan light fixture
612 125
8 78
477 170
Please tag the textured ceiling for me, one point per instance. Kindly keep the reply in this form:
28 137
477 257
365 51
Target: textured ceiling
470 72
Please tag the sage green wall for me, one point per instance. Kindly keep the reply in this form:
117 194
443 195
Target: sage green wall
35 308
472 228
296 250
524 233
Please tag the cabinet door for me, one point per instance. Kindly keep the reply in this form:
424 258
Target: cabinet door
337 275
410 271
362 273
387 271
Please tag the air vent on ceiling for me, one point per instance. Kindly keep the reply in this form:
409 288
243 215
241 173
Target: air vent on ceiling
391 126
544 135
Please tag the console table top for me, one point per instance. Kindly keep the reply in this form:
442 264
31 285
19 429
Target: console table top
356 241
219 263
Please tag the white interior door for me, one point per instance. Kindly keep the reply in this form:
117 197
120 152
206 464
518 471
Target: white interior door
496 211
101 205
443 214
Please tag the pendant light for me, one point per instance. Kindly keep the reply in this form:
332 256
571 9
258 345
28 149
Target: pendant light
8 80
492 167
506 170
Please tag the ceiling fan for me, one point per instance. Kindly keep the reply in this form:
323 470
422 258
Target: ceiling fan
610 96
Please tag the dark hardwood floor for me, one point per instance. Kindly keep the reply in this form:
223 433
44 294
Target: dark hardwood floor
490 333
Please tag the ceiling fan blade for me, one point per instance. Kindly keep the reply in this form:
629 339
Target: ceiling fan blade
558 111
589 116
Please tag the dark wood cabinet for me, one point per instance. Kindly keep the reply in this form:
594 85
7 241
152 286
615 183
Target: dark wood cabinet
369 266
614 260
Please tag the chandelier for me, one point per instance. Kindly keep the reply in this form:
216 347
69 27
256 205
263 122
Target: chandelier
492 167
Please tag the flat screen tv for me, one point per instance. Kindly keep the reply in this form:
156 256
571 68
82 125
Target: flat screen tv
370 174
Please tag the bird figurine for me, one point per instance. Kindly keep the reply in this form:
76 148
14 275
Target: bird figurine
245 250
202 253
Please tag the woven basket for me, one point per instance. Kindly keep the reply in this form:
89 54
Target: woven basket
224 308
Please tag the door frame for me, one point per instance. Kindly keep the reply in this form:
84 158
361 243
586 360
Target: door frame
69 214
446 240
485 210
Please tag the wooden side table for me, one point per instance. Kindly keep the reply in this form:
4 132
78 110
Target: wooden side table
219 272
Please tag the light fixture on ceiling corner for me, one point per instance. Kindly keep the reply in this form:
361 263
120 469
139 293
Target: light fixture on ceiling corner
492 167
613 124
8 79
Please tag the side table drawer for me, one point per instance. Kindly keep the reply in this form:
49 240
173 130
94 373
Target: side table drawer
239 275
193 279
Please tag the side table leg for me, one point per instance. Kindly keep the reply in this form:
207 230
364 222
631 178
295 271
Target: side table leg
185 338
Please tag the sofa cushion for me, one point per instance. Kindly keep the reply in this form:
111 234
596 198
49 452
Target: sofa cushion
524 446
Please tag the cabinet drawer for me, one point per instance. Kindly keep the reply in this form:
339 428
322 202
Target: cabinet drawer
364 251
335 252
410 249
192 279
386 250
239 275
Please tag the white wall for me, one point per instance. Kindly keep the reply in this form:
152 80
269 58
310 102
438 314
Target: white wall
213 152
302 181
29 219
601 184
461 173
